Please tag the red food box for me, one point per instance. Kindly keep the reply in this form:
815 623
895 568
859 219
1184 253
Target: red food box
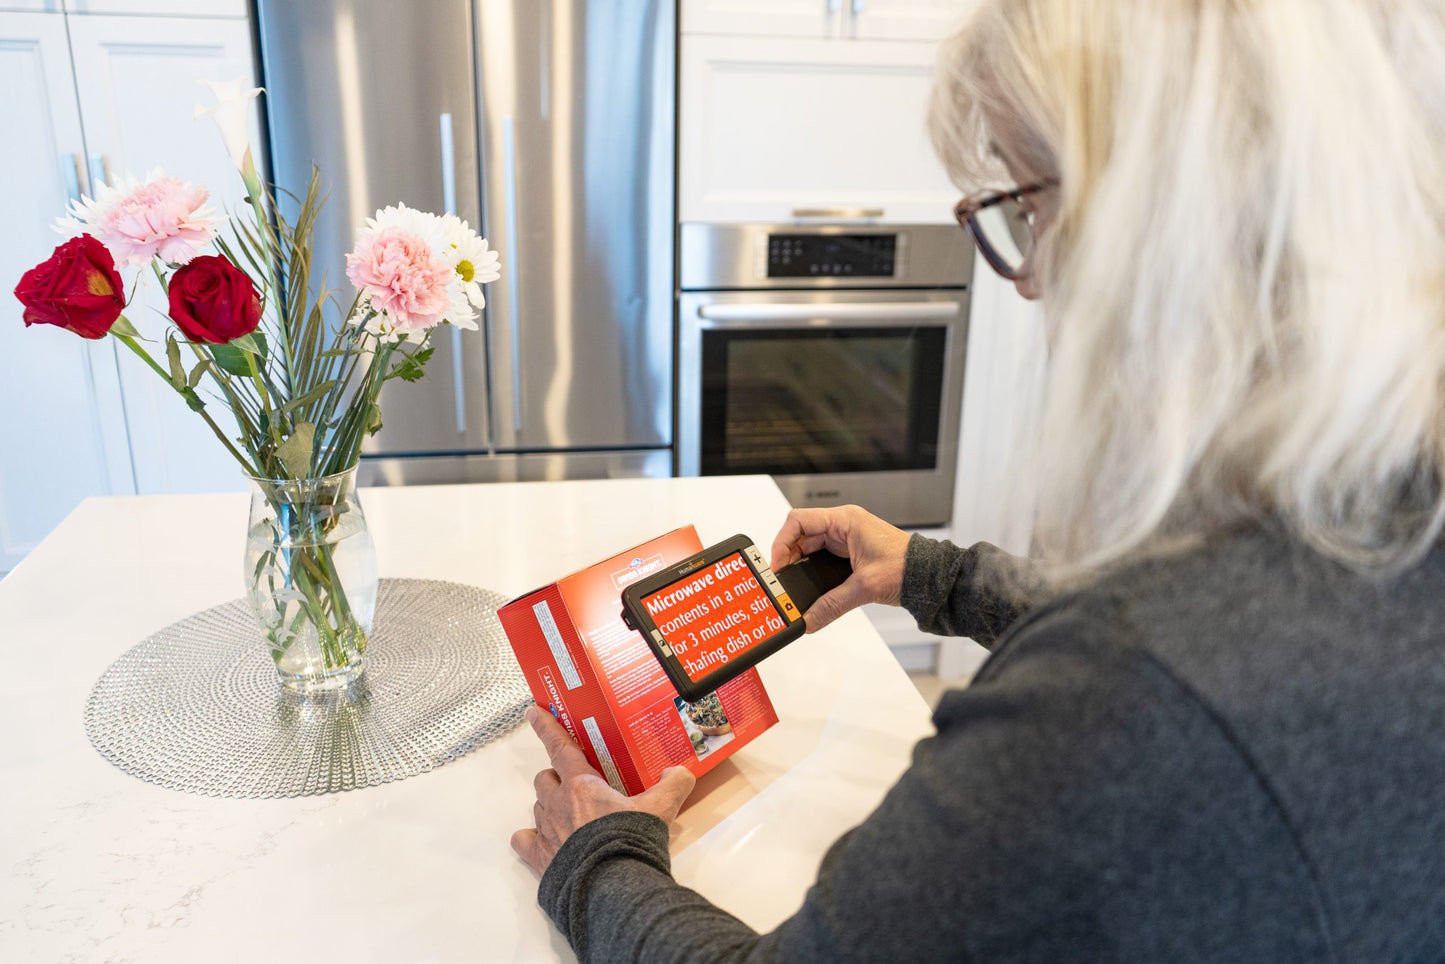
599 678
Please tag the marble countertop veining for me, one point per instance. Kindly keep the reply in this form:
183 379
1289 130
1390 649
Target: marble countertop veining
100 866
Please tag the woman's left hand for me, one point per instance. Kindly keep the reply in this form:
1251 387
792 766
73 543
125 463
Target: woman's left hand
571 793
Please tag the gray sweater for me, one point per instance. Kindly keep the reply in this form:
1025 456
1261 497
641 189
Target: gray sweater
1236 754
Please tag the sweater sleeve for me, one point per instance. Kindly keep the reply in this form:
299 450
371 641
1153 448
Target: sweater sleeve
1076 804
978 592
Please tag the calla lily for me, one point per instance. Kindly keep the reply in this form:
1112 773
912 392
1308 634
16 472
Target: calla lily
231 114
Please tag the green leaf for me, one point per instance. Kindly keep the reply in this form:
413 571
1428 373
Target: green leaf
317 393
198 372
295 452
410 368
123 326
173 358
255 343
232 359
373 419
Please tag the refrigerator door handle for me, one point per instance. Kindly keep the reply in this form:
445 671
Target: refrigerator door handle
509 179
449 203
459 385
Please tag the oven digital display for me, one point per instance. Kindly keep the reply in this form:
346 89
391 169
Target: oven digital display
832 255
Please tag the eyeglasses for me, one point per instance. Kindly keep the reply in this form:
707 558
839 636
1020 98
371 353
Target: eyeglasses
1002 229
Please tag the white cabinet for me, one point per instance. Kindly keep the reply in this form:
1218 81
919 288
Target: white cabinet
87 93
161 8
1003 396
928 20
765 18
151 8
770 127
63 434
905 19
137 83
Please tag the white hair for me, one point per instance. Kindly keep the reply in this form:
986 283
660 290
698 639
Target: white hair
1245 281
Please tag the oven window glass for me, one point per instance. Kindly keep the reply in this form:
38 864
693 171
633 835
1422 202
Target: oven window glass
813 401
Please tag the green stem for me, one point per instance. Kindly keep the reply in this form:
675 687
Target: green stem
234 399
189 395
257 194
309 579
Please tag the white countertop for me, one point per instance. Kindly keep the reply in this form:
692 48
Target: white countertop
100 866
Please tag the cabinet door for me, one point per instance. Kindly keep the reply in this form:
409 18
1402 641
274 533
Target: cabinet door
160 8
764 18
905 19
770 128
63 434
137 80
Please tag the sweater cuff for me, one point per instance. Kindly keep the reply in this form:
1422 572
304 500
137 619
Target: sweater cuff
930 572
624 835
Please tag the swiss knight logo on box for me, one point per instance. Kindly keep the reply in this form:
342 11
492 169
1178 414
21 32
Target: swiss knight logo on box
602 682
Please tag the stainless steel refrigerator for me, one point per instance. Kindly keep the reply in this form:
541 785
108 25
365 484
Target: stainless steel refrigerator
549 127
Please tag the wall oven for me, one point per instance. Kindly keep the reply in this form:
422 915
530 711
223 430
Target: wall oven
829 356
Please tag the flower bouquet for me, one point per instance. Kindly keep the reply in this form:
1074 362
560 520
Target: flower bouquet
299 375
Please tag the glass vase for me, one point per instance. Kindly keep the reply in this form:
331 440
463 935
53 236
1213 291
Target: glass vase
311 578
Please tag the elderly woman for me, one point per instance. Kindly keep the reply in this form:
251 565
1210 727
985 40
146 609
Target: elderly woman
1213 723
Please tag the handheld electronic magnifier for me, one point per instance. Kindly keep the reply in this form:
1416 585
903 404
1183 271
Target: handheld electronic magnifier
711 617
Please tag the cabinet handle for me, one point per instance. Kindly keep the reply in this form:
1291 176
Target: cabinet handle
839 214
99 171
72 170
509 179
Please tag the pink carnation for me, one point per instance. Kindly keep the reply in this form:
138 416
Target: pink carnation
396 271
164 217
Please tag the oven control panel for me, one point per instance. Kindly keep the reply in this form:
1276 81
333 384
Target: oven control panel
831 256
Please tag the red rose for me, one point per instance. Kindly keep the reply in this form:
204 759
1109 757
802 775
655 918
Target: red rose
213 300
77 289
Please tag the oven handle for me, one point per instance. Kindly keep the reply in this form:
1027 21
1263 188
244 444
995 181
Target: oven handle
817 313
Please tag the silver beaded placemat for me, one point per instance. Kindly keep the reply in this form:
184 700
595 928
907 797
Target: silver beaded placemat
198 706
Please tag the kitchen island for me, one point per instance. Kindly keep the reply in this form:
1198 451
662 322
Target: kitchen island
99 865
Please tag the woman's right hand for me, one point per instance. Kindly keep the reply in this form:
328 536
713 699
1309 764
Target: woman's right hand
875 549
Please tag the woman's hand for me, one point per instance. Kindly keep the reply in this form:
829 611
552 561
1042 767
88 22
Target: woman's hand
875 549
571 793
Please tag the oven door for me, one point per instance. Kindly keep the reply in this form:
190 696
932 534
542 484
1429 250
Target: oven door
841 396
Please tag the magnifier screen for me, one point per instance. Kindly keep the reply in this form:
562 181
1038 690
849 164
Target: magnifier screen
714 614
